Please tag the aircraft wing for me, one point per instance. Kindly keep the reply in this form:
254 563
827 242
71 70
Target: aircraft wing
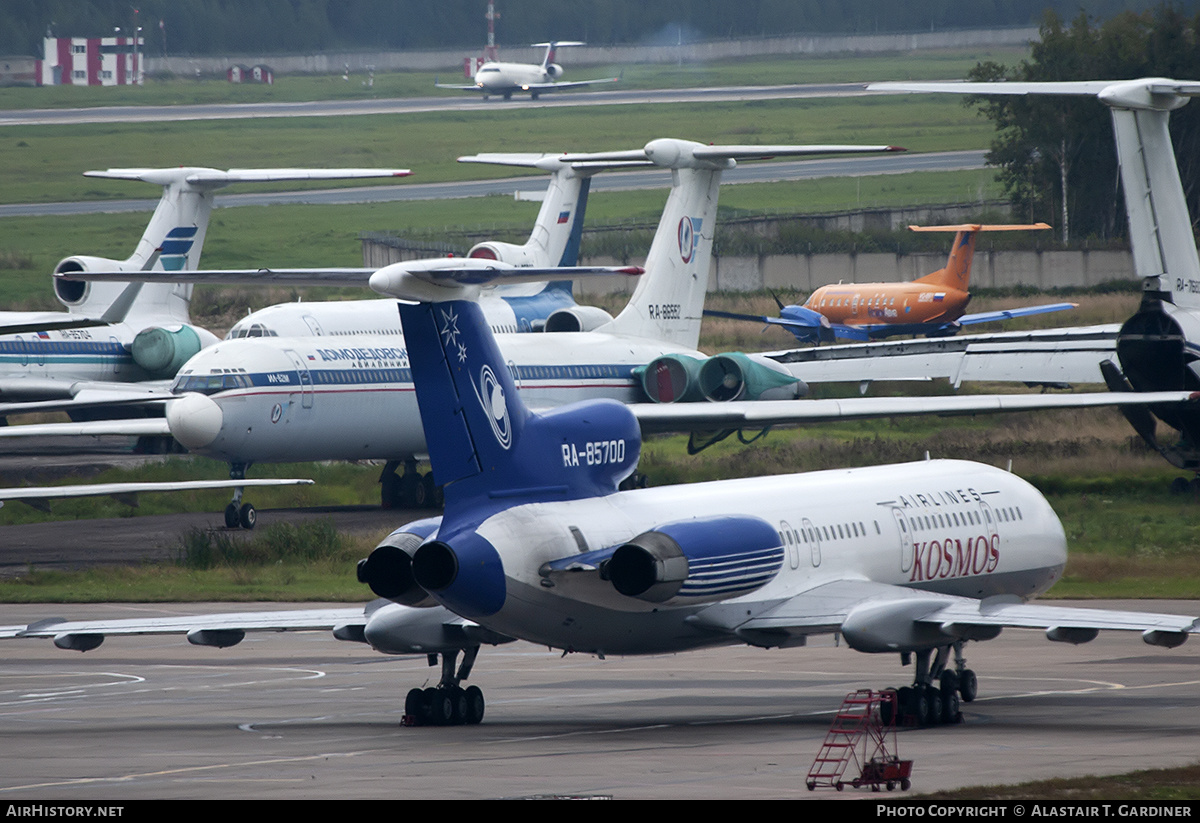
573 84
388 627
86 634
131 427
756 414
879 617
1051 356
458 270
1009 314
40 496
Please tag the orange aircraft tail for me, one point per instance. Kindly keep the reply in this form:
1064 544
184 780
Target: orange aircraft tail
957 273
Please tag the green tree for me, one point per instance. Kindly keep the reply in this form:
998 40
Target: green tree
1056 155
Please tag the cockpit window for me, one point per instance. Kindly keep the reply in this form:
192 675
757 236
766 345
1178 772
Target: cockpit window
210 383
252 330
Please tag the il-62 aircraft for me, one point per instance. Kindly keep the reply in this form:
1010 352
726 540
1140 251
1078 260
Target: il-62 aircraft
933 305
504 79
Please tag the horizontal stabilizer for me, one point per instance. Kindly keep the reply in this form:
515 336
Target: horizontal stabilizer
984 227
215 178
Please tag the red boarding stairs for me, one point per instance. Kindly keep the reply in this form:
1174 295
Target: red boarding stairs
862 736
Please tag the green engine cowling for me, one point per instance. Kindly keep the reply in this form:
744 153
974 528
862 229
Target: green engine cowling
671 378
738 376
161 351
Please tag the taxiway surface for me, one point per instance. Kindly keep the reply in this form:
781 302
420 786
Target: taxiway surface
305 716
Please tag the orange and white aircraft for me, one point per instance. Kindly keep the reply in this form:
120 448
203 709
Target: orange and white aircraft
933 305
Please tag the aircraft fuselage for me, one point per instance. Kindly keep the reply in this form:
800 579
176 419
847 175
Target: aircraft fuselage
948 527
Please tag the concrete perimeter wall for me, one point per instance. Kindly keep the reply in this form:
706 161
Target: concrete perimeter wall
991 269
452 60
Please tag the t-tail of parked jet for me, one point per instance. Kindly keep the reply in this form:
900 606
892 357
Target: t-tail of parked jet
668 302
172 240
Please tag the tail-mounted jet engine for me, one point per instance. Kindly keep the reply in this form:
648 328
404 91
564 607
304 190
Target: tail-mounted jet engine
696 561
388 569
678 378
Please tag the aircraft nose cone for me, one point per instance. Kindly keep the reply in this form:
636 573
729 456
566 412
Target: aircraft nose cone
195 420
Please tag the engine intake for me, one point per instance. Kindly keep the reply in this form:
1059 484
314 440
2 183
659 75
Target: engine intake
737 376
697 561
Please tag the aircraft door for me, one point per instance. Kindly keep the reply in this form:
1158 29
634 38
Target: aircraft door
313 325
791 542
906 540
305 379
814 541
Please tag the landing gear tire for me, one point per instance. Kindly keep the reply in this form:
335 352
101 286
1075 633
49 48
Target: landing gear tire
415 706
968 685
474 699
950 708
1180 486
441 706
933 706
247 516
231 516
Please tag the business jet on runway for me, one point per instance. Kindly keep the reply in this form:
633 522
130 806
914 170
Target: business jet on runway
115 335
505 78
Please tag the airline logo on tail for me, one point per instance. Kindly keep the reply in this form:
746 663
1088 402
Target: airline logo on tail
173 253
689 227
491 400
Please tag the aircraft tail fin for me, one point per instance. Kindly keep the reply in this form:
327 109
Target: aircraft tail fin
1160 229
668 302
174 237
484 443
957 273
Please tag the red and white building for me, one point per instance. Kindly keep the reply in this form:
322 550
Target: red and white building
92 61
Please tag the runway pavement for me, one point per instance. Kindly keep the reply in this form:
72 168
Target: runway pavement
305 716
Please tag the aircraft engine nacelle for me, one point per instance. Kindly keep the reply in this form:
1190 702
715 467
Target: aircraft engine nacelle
388 569
78 294
738 376
509 253
554 71
161 351
577 318
696 561
672 378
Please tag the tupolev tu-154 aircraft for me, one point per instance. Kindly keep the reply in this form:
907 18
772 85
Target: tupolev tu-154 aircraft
537 542
504 79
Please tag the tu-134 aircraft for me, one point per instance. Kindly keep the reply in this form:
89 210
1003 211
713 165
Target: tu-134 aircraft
537 542
934 305
505 79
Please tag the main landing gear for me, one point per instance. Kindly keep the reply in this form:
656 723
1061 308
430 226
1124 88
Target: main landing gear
923 703
411 490
237 513
447 704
